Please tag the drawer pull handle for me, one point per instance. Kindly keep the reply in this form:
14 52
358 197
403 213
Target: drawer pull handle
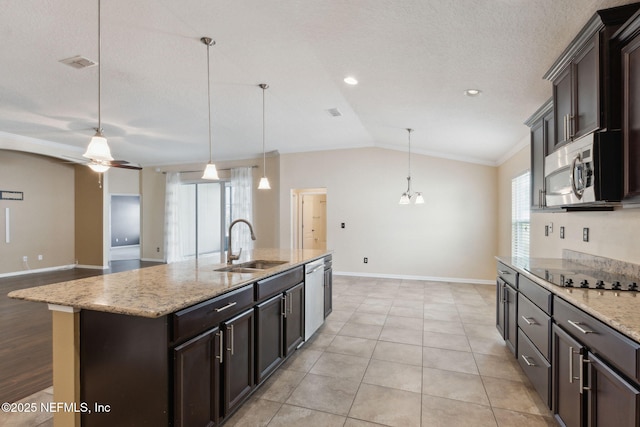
231 304
581 329
220 343
504 272
529 322
526 360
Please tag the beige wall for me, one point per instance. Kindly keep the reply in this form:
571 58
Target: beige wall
90 218
514 166
43 223
452 236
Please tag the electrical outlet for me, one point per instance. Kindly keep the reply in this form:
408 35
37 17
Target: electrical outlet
550 227
366 260
562 232
40 257
546 230
158 249
585 234
25 258
342 225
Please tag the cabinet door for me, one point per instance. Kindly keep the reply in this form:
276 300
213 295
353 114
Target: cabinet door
500 305
196 366
294 318
238 359
328 292
631 120
612 400
511 319
269 324
586 117
537 165
568 401
549 133
562 106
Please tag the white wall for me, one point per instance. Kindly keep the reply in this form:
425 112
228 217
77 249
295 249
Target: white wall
452 236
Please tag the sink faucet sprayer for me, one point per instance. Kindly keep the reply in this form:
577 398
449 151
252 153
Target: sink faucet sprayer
230 256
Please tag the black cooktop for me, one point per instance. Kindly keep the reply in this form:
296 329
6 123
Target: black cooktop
586 279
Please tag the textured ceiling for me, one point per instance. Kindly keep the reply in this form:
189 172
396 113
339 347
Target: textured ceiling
413 59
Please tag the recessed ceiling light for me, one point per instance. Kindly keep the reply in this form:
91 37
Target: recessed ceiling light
350 80
472 92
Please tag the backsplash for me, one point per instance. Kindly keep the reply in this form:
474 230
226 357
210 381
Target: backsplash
601 263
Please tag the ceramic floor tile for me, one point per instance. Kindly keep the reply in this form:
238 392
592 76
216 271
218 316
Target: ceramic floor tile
447 308
415 304
445 341
416 324
331 326
352 422
254 413
344 305
333 395
387 406
441 412
352 346
400 335
394 375
448 316
341 366
513 395
485 345
443 326
504 367
360 330
385 301
341 315
373 309
477 318
319 341
368 318
507 418
450 360
397 352
280 385
302 360
454 385
293 416
406 312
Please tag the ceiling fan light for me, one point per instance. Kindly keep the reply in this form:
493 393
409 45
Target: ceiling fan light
404 199
210 172
98 149
264 184
419 199
97 167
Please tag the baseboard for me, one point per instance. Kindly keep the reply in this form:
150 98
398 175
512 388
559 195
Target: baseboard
424 278
152 259
38 270
93 267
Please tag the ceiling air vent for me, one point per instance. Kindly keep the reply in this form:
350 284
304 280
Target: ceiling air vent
334 112
79 62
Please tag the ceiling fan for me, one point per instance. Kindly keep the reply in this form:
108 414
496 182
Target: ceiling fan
103 165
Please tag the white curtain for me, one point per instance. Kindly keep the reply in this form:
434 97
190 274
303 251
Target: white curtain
172 244
242 207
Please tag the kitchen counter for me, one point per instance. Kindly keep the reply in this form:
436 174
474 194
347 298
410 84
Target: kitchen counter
618 309
157 291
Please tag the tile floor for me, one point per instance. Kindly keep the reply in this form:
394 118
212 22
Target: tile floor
396 353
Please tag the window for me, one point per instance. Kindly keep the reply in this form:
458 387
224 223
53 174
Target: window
520 189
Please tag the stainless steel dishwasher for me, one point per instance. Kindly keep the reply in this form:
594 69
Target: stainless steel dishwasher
313 297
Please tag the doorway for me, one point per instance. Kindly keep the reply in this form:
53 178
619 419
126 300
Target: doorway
125 227
309 225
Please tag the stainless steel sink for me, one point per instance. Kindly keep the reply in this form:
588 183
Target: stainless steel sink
255 266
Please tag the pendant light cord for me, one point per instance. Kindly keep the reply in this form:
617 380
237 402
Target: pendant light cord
209 102
409 130
99 70
264 154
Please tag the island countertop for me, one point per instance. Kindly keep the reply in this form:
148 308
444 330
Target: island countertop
617 309
163 289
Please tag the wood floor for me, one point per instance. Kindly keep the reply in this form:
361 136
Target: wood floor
25 330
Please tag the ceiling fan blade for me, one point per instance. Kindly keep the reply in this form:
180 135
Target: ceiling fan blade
126 166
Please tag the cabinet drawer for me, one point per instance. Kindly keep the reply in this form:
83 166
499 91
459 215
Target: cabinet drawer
602 340
535 324
508 274
278 283
195 319
536 293
535 366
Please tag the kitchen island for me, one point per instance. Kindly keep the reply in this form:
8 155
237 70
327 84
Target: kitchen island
174 343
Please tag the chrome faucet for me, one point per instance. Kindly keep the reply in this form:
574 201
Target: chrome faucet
230 256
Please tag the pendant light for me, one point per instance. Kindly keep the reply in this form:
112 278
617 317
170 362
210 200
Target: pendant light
98 150
407 196
210 171
264 181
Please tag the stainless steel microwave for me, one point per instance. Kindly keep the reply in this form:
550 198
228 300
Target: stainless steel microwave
585 172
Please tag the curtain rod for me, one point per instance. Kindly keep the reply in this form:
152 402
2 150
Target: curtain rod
223 169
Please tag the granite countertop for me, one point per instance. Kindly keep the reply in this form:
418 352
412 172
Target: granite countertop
163 289
620 310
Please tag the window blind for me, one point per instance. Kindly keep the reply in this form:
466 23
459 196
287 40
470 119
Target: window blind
520 215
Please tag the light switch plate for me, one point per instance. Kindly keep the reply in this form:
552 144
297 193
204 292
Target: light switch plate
585 234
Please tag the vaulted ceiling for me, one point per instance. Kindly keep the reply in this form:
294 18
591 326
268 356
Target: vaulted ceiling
413 60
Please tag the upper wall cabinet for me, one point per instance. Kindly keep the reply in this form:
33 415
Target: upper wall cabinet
586 90
542 143
628 39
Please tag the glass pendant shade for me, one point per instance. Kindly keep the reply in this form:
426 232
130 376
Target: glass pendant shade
96 167
98 149
404 199
264 184
419 199
210 172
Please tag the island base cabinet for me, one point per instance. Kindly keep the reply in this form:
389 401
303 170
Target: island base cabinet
197 381
269 336
293 318
612 400
238 360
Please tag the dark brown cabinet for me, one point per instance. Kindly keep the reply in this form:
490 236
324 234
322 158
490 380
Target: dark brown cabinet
586 87
197 380
269 336
567 364
328 286
293 318
238 360
507 309
629 39
542 142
